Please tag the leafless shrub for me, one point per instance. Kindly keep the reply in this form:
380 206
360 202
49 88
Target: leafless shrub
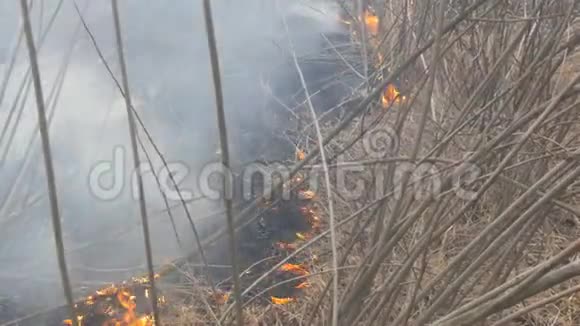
501 96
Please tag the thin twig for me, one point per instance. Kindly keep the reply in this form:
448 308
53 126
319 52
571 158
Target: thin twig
51 182
225 155
136 163
539 304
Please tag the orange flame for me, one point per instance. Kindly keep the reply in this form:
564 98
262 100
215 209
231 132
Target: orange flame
121 302
391 95
280 301
143 321
371 22
313 219
307 194
126 299
120 305
294 268
144 279
90 300
300 155
221 298
107 291
68 322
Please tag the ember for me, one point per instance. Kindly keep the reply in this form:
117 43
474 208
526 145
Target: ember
281 301
294 268
300 155
220 298
306 195
371 22
391 95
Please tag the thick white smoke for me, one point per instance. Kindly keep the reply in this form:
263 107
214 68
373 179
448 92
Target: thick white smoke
169 71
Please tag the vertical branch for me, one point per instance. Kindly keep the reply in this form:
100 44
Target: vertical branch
52 192
133 135
362 11
224 153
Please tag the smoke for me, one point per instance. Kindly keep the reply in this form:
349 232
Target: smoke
169 71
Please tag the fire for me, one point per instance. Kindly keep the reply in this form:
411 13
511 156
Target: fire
312 218
144 321
315 219
300 155
122 304
90 300
294 268
68 322
107 291
117 305
371 22
307 195
391 95
127 303
144 279
221 298
281 301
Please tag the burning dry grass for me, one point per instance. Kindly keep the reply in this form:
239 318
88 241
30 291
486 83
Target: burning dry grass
445 259
497 100
126 304
483 88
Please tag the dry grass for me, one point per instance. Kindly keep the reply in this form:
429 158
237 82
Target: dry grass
503 98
